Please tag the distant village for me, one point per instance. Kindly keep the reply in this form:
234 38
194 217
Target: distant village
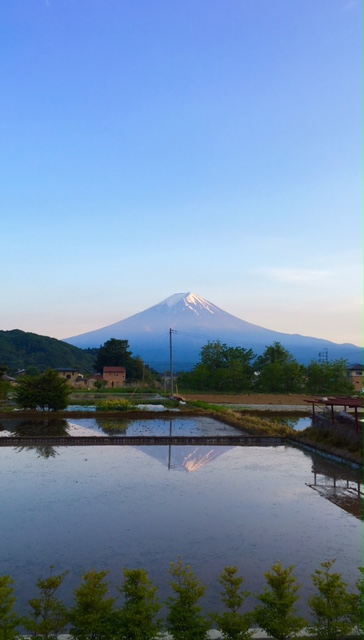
115 377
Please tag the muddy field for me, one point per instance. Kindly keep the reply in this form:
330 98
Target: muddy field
250 398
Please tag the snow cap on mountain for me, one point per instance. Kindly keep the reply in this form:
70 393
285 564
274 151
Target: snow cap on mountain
195 321
190 300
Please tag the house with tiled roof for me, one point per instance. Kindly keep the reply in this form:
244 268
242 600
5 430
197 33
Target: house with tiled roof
114 377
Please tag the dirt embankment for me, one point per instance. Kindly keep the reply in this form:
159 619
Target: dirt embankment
250 398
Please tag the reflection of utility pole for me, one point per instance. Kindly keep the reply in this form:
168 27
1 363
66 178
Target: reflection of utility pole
171 359
170 446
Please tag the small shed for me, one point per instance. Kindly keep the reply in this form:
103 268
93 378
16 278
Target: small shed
342 402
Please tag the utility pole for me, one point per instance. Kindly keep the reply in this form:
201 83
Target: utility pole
171 359
324 356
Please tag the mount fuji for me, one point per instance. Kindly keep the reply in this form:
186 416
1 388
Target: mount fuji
195 321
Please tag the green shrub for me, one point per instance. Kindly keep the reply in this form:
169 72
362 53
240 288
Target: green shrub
115 405
184 619
331 605
277 613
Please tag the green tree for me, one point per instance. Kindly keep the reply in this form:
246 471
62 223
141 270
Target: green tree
27 393
329 378
4 385
91 614
221 368
47 390
198 379
232 624
116 353
278 371
275 353
331 606
184 619
277 613
9 620
356 606
49 616
137 620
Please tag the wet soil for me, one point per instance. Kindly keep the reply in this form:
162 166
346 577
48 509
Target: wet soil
250 398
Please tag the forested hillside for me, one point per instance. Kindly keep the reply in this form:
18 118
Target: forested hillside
21 350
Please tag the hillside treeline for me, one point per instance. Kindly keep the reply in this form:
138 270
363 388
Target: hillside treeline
95 615
235 369
22 350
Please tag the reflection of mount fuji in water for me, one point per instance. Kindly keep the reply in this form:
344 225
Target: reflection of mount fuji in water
183 457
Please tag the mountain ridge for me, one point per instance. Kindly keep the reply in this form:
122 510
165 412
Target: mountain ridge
194 321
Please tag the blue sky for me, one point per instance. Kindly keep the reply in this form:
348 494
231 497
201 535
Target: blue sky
150 147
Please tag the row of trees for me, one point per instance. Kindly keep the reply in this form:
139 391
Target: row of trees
223 368
336 612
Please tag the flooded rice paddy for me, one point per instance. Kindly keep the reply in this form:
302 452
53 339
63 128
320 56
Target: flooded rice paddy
108 507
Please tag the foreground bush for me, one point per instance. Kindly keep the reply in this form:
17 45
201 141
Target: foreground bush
95 615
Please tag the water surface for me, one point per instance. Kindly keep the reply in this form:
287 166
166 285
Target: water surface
109 507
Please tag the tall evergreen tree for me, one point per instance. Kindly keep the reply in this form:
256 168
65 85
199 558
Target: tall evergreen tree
356 606
137 619
49 616
184 619
91 614
233 624
277 614
9 620
116 353
331 605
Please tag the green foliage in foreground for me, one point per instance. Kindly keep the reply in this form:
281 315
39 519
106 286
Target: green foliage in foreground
9 620
233 624
95 615
137 619
185 620
277 614
92 612
49 616
48 390
356 609
331 606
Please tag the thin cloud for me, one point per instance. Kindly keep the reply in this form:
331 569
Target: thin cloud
294 275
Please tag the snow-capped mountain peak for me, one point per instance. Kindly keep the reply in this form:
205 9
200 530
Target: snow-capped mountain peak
194 322
190 300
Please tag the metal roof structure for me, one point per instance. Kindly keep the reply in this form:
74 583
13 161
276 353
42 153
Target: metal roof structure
346 402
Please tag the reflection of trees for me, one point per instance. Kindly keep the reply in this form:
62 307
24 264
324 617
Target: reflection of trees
40 428
44 428
113 427
43 450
